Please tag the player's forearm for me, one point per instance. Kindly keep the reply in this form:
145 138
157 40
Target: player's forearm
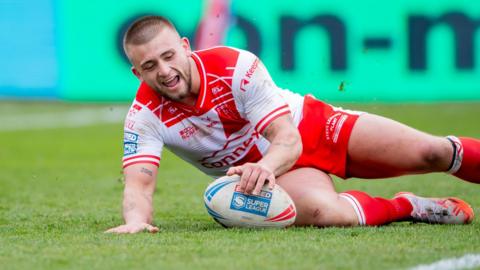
140 181
137 205
284 151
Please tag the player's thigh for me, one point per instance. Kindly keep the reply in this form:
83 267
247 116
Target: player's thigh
382 147
315 198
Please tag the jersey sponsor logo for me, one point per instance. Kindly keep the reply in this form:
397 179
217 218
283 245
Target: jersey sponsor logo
253 204
248 74
243 83
252 69
129 148
232 157
188 132
130 137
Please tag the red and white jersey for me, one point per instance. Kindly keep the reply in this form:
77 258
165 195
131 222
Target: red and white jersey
237 100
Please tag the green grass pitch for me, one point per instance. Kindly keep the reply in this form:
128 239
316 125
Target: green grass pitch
60 188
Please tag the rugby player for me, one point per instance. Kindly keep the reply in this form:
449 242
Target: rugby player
219 110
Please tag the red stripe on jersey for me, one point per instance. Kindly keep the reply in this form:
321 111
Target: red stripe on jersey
148 97
262 124
203 80
141 156
169 112
215 68
141 161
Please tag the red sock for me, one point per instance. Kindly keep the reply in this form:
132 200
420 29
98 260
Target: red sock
377 211
470 162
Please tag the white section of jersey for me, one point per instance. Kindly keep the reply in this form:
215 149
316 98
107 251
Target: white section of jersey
236 102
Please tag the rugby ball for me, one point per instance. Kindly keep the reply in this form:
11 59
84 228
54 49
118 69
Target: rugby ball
232 208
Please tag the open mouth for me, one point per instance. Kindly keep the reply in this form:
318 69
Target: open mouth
172 81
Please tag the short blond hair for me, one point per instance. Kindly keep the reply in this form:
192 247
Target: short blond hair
145 29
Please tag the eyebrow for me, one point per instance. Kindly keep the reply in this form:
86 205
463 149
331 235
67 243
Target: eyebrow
150 60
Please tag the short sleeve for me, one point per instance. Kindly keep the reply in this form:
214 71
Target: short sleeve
260 97
141 141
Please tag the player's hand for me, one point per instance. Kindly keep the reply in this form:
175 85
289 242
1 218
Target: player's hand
133 228
253 177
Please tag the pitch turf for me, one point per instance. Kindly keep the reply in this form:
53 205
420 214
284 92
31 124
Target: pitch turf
60 188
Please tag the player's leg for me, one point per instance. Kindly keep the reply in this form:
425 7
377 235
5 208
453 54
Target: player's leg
315 198
380 147
318 204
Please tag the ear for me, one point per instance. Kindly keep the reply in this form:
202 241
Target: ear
186 46
136 73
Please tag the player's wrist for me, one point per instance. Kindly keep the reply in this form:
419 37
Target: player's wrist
267 166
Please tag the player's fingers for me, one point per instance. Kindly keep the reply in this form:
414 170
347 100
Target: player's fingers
114 229
234 170
231 171
260 182
244 179
253 180
271 181
127 229
152 229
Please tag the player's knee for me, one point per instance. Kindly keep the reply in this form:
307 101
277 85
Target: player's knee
431 155
324 211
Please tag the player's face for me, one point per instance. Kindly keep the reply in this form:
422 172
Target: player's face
164 64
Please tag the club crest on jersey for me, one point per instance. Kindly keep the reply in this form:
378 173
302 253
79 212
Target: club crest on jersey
129 148
217 89
172 110
253 204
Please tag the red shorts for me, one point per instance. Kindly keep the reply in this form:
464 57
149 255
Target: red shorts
325 132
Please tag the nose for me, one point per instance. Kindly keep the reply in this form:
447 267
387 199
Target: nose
163 70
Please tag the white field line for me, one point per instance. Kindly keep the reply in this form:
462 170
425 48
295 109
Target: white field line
467 261
69 119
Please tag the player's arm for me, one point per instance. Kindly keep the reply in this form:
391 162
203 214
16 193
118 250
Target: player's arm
140 181
269 113
285 148
285 145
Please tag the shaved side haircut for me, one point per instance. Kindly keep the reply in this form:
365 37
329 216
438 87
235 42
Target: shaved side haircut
145 29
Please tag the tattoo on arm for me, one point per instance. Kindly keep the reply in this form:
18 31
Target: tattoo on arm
146 171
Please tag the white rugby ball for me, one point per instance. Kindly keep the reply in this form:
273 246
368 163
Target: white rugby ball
231 208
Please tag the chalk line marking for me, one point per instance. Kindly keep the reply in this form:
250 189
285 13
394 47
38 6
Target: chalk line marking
467 261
